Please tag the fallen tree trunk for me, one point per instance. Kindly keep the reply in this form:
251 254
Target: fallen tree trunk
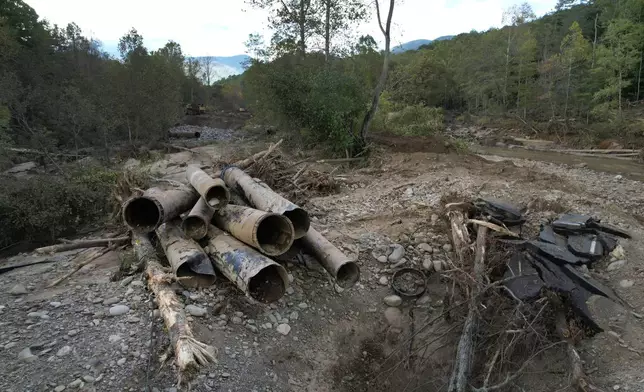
345 271
189 262
246 163
196 223
465 350
272 234
214 191
147 212
189 352
81 244
184 135
79 266
253 273
263 198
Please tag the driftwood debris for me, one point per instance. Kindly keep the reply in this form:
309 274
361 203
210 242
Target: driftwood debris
81 265
465 351
81 244
189 352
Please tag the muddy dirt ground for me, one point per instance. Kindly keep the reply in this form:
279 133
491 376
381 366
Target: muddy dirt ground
64 338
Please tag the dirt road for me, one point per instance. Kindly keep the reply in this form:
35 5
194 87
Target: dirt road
339 340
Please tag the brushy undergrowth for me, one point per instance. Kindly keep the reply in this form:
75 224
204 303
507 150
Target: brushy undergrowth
417 120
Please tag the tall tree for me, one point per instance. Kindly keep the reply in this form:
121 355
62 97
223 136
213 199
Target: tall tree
514 16
339 15
575 53
386 32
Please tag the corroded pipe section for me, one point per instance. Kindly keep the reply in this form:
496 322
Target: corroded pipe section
253 273
196 223
214 191
271 234
260 196
184 135
147 212
345 271
190 264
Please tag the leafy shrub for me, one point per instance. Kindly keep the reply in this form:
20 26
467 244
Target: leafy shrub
417 120
43 207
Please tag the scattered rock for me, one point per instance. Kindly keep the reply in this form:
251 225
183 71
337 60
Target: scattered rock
59 388
55 304
626 284
383 280
409 192
196 311
393 300
425 299
393 316
41 315
618 253
26 355
239 314
225 375
438 265
615 265
428 264
237 320
447 247
382 259
73 332
64 351
78 383
619 177
581 165
294 315
434 219
121 362
111 301
303 305
425 248
115 338
88 378
284 329
290 290
398 252
119 310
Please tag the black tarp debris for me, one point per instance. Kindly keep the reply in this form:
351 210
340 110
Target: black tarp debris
550 260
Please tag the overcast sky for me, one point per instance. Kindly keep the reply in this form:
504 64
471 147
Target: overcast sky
220 27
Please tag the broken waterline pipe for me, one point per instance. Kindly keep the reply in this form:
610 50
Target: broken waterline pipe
271 234
147 212
213 190
345 271
253 273
196 223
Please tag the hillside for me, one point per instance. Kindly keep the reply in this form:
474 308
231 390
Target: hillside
418 43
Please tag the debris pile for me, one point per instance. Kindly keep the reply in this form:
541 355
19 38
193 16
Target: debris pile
524 296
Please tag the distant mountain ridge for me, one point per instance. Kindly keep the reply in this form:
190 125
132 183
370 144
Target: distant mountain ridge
416 44
225 66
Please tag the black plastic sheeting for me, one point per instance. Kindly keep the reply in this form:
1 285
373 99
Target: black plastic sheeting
550 260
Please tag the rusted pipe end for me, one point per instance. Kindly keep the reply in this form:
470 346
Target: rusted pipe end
195 227
348 274
218 196
269 284
143 214
300 220
274 234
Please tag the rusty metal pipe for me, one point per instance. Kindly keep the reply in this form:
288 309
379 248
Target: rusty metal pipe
212 189
147 212
265 199
253 273
196 223
190 263
345 271
271 234
184 135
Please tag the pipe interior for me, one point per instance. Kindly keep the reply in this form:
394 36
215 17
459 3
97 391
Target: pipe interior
268 285
197 134
195 227
300 220
274 234
196 280
142 214
217 196
348 274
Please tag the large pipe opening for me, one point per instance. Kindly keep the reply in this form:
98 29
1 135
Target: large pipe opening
274 234
143 214
300 220
269 284
348 274
195 227
217 196
189 278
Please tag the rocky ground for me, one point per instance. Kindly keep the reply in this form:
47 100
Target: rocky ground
91 333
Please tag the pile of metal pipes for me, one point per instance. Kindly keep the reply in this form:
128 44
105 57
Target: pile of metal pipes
204 235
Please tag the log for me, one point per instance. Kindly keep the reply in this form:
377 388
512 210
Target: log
246 163
184 135
263 198
253 273
599 151
460 234
147 212
271 234
196 223
189 352
189 262
82 244
345 271
465 350
80 266
214 191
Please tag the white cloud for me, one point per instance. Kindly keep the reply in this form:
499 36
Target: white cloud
220 27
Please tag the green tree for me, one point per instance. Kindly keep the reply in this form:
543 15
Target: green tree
575 55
